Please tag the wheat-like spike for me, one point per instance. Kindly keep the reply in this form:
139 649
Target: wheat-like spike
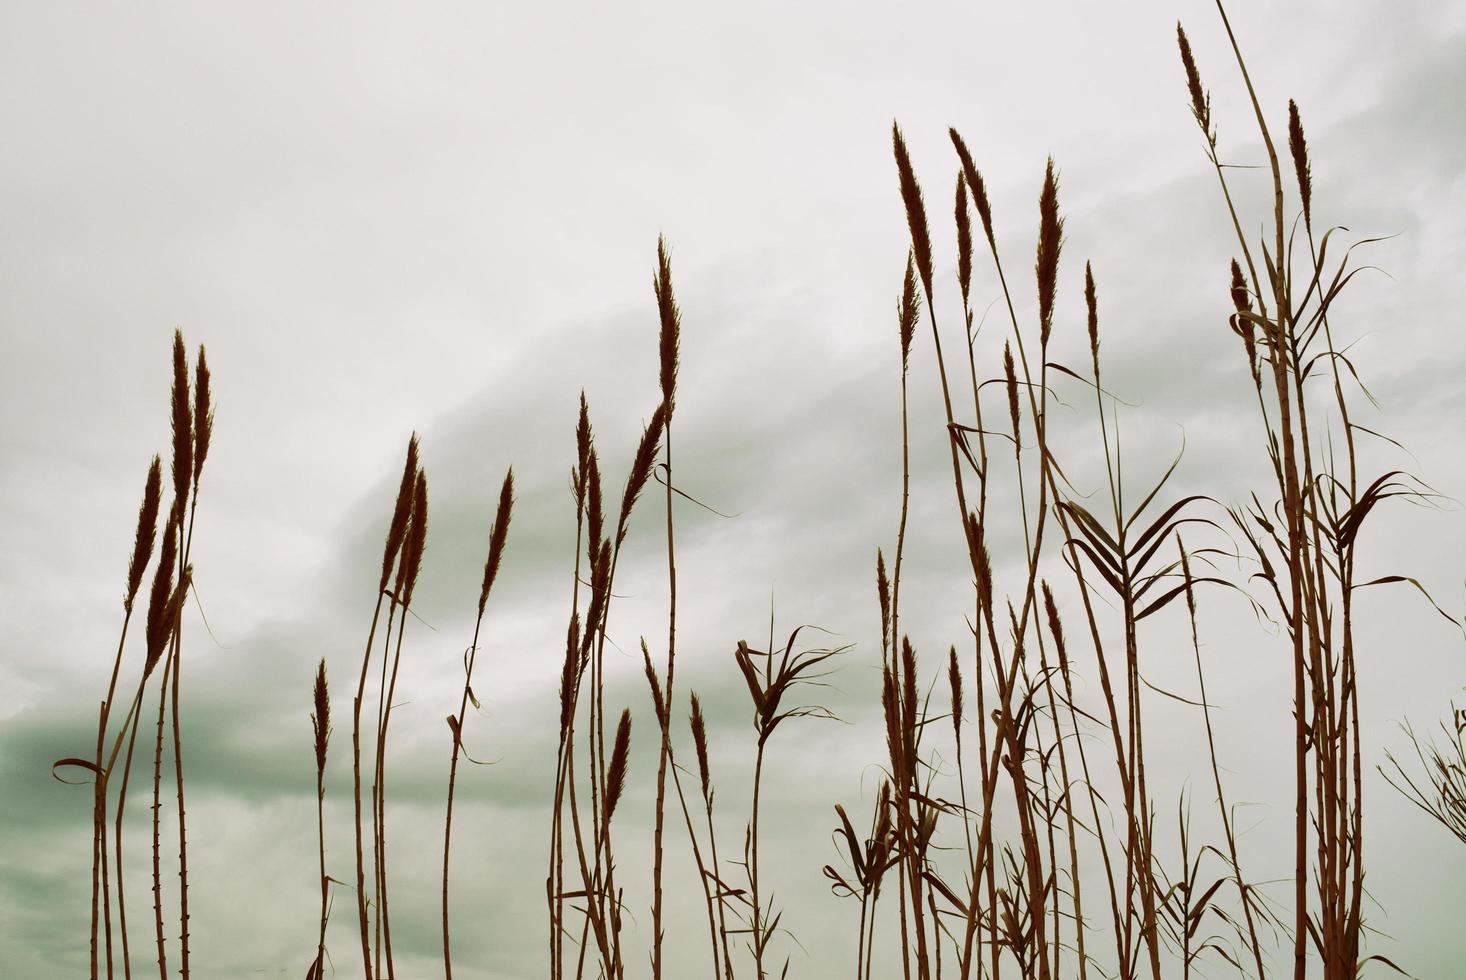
203 415
498 533
321 717
921 242
1301 168
401 512
147 531
1050 243
976 186
671 320
616 774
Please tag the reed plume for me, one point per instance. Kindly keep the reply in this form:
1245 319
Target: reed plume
321 730
396 530
1302 170
1050 242
498 534
921 243
670 318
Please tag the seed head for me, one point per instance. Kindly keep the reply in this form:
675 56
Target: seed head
921 243
147 529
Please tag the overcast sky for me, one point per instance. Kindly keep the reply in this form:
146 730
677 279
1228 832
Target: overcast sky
388 218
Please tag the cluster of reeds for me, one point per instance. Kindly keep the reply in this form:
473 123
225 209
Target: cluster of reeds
402 558
1038 853
1025 899
192 425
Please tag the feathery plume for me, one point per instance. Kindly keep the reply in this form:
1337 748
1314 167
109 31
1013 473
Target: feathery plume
321 717
595 507
671 318
921 243
568 671
656 685
1242 325
582 449
182 428
1091 305
397 530
700 743
976 186
497 535
1051 611
909 311
1241 297
147 530
954 680
203 415
883 588
964 238
616 774
160 622
1299 147
1200 100
417 536
641 467
1010 380
908 693
1050 242
891 711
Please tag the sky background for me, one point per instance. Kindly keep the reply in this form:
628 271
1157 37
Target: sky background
382 219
